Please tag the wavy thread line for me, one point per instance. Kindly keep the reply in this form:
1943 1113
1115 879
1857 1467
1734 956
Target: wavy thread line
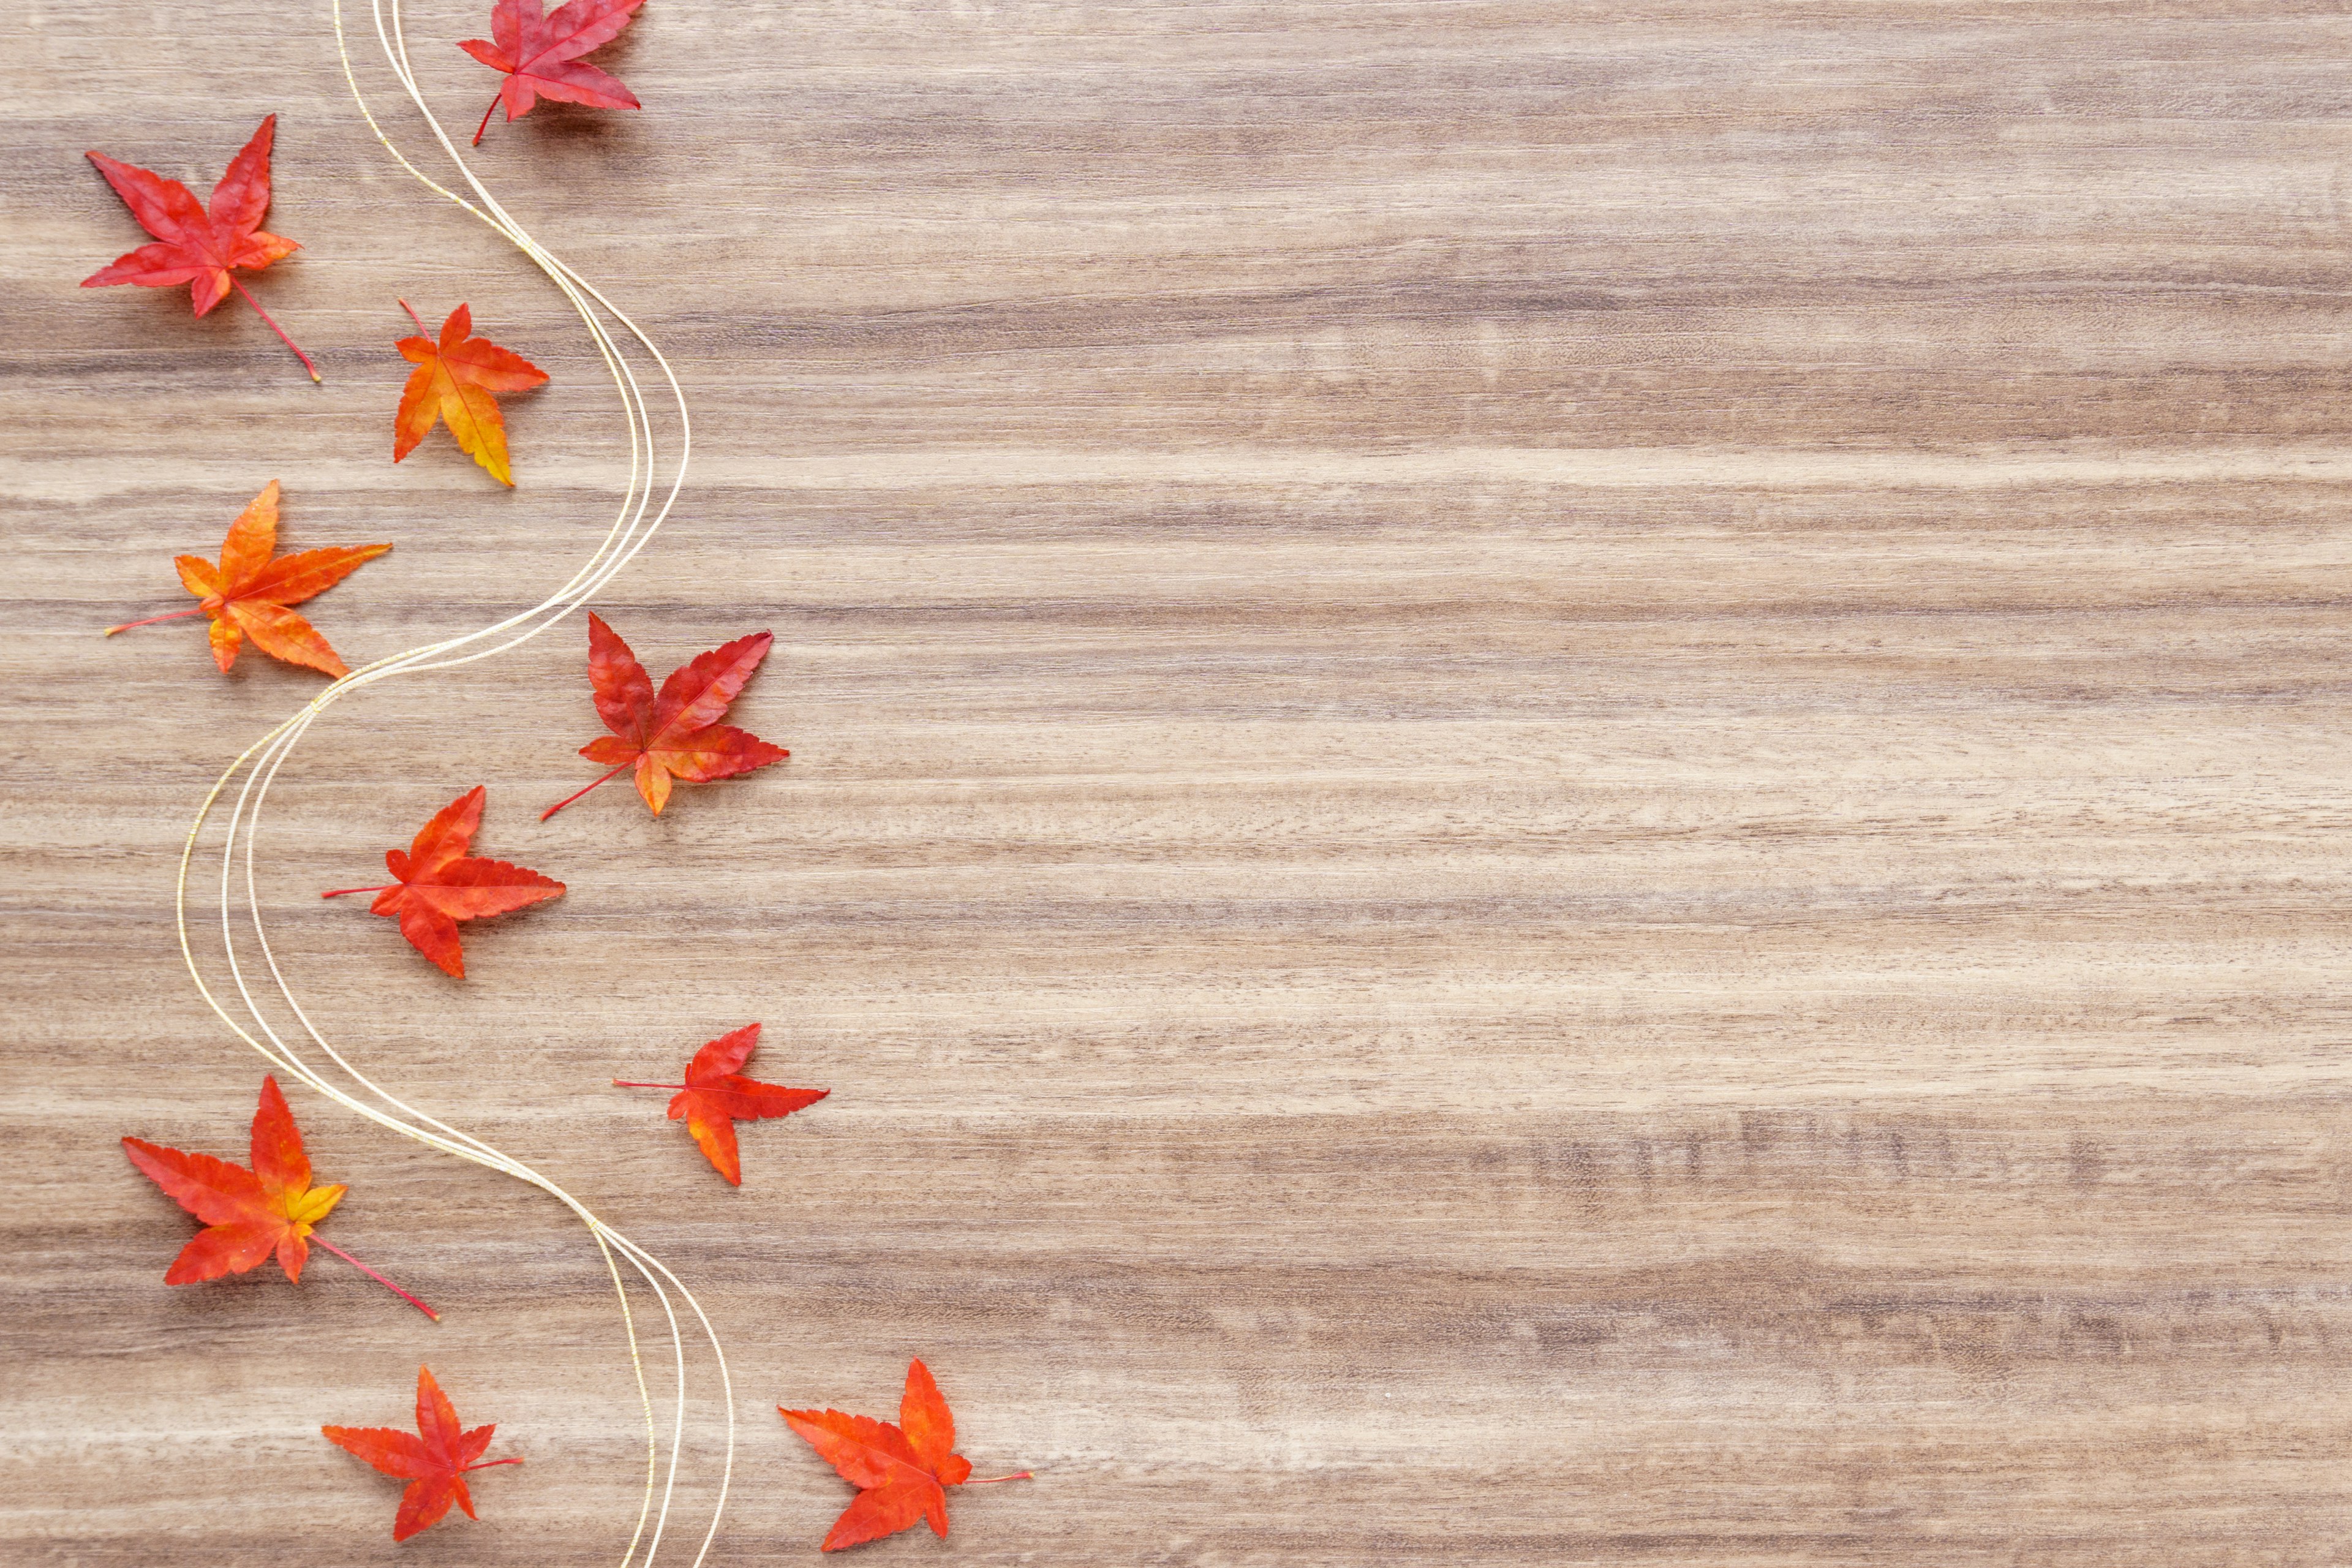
259 764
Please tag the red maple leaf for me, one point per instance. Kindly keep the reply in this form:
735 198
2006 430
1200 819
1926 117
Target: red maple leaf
715 1096
676 734
250 1214
456 380
439 884
198 247
541 55
433 1460
901 1472
248 593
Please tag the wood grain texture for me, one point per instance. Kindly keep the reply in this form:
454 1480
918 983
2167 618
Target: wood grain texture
1569 781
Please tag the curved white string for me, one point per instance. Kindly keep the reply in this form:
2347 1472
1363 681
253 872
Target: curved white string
630 532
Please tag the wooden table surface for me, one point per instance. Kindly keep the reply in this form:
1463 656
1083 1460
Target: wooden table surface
1569 781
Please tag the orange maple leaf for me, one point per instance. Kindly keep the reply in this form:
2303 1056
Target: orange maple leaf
247 594
250 1214
675 735
715 1096
456 380
901 1472
433 1460
439 884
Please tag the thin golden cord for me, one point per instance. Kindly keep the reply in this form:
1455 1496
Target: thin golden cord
630 532
396 52
275 756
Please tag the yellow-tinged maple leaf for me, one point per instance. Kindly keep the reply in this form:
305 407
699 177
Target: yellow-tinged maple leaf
250 1214
456 381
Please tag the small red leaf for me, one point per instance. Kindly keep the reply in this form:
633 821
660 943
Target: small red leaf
433 1460
540 54
439 884
250 1214
716 1096
674 734
901 1472
198 246
456 381
248 593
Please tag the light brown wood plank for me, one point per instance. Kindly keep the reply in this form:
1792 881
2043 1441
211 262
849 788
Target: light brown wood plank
1569 783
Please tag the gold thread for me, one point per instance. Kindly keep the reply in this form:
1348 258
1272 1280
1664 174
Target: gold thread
628 535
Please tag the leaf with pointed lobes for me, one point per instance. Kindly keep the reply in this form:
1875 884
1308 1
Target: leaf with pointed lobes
455 381
195 245
433 1460
716 1096
675 734
439 884
541 55
901 1472
250 1214
247 594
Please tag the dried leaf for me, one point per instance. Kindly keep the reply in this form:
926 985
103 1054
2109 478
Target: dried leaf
248 593
439 884
433 1460
198 246
674 736
901 1472
715 1096
250 1214
455 381
541 55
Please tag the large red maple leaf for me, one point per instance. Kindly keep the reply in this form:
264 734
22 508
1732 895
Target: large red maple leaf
196 246
433 1460
250 1214
901 1471
439 884
541 55
715 1096
675 735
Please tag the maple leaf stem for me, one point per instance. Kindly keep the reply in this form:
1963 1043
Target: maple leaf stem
290 343
416 318
151 620
1016 1476
339 892
483 129
568 799
380 1279
631 1083
488 1465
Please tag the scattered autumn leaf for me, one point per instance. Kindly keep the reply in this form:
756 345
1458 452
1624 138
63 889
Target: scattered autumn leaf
250 1213
456 380
247 594
715 1096
541 55
439 884
901 1472
675 734
198 247
433 1460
